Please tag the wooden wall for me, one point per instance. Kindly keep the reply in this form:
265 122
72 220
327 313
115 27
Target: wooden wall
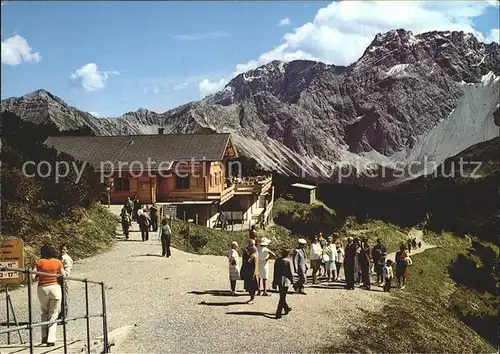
209 177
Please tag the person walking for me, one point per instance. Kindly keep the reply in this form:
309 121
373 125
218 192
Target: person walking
137 207
364 263
300 266
165 235
49 291
234 266
129 206
408 243
402 261
153 214
388 275
126 221
339 257
315 253
283 279
144 222
264 253
379 252
329 254
250 270
357 267
67 262
322 243
349 259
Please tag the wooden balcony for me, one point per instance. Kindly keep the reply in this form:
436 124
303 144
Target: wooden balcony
193 196
253 186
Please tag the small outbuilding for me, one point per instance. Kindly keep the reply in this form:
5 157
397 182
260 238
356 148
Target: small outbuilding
303 193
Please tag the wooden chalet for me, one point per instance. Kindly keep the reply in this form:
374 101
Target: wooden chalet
185 170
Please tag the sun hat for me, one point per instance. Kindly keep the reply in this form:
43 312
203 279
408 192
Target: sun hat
302 241
264 241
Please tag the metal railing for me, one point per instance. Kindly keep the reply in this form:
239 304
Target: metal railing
31 325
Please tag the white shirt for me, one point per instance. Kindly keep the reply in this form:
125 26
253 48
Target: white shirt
315 251
387 272
67 262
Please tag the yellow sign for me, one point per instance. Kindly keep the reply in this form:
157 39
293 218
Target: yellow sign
11 256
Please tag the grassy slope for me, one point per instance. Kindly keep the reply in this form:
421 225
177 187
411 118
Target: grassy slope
87 232
419 319
217 242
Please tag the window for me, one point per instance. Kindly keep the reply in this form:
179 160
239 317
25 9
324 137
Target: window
121 184
182 182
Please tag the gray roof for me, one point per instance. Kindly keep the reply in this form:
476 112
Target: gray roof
164 148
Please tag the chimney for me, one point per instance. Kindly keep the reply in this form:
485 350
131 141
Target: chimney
161 131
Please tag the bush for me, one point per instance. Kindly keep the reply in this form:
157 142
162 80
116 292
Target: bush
306 219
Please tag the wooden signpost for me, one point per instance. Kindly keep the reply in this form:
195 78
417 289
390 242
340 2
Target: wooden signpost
11 256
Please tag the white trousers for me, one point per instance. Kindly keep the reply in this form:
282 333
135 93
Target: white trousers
50 304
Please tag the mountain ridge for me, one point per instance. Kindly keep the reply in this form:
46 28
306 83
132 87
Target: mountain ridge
304 117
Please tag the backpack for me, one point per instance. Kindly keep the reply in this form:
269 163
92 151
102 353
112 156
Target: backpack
144 219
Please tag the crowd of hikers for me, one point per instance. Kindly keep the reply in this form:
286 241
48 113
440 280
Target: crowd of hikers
327 257
330 260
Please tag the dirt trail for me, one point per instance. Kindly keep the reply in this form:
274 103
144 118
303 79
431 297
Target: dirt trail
182 305
418 234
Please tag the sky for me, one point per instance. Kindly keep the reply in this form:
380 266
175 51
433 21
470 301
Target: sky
109 58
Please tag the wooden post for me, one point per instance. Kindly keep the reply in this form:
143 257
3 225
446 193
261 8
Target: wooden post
170 223
189 237
232 222
184 216
197 219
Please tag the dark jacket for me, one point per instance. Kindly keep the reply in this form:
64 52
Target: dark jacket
144 219
153 212
350 254
282 272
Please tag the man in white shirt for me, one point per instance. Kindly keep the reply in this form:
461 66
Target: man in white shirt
67 262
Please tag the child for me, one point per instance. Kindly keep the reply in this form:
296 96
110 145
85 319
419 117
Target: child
388 275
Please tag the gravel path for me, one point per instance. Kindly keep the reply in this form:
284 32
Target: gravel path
179 305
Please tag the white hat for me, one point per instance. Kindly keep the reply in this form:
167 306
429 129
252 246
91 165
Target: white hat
302 241
265 242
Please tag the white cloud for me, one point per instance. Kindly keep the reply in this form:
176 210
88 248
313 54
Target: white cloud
156 89
95 114
208 87
284 22
181 86
493 36
91 78
200 36
16 49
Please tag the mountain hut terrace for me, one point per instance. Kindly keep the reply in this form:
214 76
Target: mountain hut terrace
185 170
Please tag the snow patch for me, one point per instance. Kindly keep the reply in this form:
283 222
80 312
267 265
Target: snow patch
471 122
397 70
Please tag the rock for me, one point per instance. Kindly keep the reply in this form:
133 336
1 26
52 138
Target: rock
305 117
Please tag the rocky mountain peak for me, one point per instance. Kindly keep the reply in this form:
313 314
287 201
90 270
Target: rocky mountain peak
406 97
281 79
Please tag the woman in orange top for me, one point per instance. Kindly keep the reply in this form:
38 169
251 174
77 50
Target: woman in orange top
49 291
